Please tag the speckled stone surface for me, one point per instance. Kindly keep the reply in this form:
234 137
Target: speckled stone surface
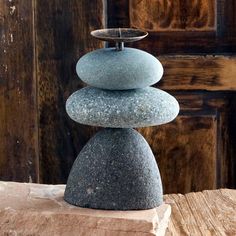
119 70
122 109
115 170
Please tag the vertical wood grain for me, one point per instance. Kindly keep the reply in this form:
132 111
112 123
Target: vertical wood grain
191 27
62 36
231 163
186 153
173 15
178 26
18 111
40 43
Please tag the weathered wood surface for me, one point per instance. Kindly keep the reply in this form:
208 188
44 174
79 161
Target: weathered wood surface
62 36
189 163
40 44
176 26
173 15
203 213
212 73
206 213
200 140
18 109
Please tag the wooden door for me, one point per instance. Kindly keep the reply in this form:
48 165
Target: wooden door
195 40
40 43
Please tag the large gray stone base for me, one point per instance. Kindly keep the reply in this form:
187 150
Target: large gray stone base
115 170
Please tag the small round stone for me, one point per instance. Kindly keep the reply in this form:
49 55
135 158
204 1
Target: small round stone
115 170
122 109
130 68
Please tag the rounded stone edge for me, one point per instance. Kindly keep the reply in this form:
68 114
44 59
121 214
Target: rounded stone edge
140 125
156 202
139 85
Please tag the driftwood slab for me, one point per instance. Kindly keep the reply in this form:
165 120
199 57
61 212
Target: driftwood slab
211 212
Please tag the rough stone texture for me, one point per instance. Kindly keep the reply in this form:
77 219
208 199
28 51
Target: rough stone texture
130 68
115 170
39 210
122 109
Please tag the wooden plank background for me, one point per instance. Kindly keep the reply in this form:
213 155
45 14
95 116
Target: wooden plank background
173 15
18 93
41 42
62 36
211 73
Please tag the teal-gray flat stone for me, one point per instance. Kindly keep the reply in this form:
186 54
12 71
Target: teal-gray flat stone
119 70
122 109
115 170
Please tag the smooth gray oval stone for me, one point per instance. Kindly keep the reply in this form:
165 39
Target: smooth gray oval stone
122 109
115 170
119 70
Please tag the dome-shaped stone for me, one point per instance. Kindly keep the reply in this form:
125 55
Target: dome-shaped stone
108 68
122 109
115 170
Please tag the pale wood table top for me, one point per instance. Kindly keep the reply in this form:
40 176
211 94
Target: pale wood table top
211 212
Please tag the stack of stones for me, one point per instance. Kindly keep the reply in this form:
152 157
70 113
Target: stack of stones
116 169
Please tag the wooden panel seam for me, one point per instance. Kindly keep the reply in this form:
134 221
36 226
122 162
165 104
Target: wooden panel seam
212 73
36 79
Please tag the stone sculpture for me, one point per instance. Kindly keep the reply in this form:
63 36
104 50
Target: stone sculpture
116 169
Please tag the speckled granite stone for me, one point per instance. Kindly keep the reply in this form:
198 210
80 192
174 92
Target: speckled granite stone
115 170
122 109
119 70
